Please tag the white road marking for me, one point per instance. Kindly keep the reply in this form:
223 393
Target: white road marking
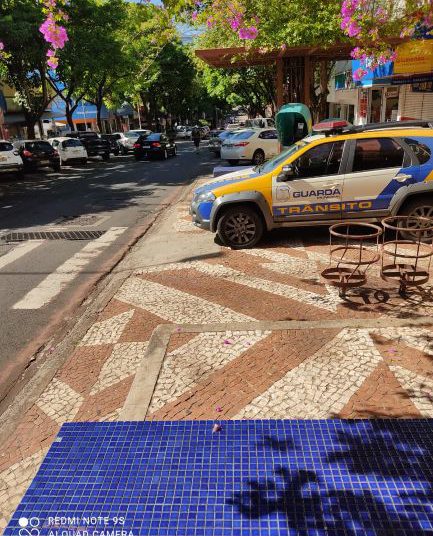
54 283
18 252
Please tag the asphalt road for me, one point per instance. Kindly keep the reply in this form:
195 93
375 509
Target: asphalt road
43 280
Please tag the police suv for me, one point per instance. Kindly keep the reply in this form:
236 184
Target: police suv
356 174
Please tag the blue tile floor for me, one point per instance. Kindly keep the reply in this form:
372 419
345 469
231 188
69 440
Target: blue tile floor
253 478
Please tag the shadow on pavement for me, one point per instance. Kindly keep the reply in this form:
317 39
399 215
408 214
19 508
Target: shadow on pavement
371 481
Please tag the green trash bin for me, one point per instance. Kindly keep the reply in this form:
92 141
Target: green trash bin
293 123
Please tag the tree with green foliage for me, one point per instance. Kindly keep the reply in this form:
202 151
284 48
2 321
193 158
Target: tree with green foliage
80 59
250 87
25 66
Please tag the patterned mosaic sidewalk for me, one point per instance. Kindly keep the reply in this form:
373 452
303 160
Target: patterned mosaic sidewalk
249 373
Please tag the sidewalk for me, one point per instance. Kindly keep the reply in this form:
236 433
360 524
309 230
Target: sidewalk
255 333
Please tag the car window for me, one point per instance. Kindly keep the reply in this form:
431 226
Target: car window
6 146
245 135
71 143
271 123
55 143
38 146
422 151
153 137
131 134
224 135
269 135
323 159
377 153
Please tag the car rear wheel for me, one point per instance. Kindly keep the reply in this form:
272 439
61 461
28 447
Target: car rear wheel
124 151
106 157
233 162
165 154
57 167
240 227
258 157
417 209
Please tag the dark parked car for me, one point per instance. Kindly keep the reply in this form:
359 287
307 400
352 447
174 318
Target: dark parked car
112 140
94 144
155 145
38 154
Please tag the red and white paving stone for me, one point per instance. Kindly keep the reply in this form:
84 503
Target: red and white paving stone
252 371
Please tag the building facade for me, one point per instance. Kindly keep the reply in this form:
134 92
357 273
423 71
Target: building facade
394 92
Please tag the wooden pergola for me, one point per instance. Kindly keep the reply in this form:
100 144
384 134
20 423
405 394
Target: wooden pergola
299 59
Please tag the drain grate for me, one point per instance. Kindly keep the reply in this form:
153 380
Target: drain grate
53 235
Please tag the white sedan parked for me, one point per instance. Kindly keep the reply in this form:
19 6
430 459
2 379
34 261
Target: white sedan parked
251 144
127 139
10 160
70 150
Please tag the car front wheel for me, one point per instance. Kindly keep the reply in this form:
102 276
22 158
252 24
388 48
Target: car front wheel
414 210
240 227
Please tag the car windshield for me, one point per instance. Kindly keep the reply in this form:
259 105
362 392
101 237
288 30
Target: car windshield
132 134
6 146
38 146
244 135
273 163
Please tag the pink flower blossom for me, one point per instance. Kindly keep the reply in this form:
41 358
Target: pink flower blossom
2 46
53 33
218 409
194 15
216 428
53 63
248 33
353 29
359 74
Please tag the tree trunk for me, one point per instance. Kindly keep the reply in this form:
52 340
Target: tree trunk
31 121
69 119
30 129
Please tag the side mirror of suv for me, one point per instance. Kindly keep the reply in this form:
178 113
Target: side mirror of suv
286 174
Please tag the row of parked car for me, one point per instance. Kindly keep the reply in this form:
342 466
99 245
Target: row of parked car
77 147
253 144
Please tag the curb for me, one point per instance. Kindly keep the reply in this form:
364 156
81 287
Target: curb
23 394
